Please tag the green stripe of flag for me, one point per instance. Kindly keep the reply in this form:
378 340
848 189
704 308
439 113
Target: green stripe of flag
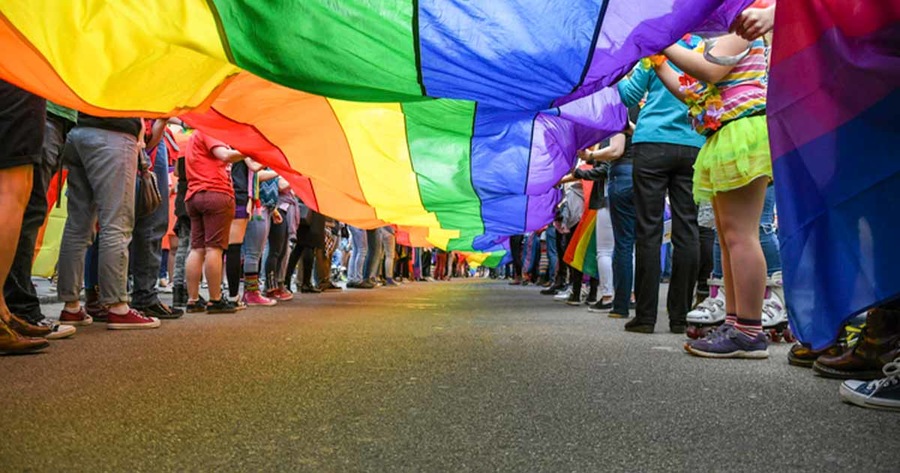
361 50
439 134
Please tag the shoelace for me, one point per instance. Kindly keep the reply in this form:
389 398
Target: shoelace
892 376
710 304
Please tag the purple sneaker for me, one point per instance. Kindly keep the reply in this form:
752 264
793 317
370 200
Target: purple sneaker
730 343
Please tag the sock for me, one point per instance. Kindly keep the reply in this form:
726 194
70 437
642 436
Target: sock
251 282
233 268
748 327
122 310
72 311
731 319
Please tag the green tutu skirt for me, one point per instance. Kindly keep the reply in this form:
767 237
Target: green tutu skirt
735 156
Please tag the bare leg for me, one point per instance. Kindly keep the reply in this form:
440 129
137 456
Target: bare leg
727 280
193 270
15 189
739 212
212 267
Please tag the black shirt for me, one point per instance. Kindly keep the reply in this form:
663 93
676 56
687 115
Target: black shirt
132 126
241 182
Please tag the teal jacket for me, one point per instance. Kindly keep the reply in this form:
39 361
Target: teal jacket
664 118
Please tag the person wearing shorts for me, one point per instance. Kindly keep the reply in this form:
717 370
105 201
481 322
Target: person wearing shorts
22 117
210 204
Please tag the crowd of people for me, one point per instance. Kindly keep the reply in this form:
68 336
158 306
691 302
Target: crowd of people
220 221
697 148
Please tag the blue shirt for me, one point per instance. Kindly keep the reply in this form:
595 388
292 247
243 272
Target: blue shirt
663 118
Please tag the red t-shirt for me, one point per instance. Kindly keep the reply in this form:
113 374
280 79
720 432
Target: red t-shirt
204 171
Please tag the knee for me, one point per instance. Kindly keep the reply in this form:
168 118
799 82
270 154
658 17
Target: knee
737 241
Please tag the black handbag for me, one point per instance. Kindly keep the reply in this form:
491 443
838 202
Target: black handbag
148 198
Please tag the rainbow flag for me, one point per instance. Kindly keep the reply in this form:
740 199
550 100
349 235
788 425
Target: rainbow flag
449 118
581 253
832 110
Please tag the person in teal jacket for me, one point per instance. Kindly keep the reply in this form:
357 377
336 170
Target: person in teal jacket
664 149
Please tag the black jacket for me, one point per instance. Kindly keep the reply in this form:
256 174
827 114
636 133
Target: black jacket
598 174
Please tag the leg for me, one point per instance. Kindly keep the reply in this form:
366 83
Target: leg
78 232
217 219
650 181
767 236
685 238
308 262
605 249
622 216
146 246
744 263
707 238
15 189
277 236
233 263
18 290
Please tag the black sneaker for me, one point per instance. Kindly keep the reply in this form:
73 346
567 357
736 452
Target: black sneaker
574 299
160 311
221 306
310 290
639 326
365 285
678 327
550 291
600 306
195 307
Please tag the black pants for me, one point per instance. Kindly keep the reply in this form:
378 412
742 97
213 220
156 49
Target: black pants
661 168
707 237
278 247
515 247
426 264
21 298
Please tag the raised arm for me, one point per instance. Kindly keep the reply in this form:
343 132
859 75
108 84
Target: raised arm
694 64
227 154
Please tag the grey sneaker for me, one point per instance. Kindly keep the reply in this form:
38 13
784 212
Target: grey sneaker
730 343
882 393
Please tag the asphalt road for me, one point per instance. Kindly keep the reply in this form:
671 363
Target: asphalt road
459 376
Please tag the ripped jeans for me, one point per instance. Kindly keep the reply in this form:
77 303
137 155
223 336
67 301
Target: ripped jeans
767 238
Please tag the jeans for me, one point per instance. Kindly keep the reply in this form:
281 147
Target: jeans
659 169
183 230
149 230
102 171
552 254
767 238
255 241
21 298
623 218
390 242
605 250
357 265
375 255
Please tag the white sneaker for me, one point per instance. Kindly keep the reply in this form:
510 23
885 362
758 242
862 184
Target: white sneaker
57 330
712 309
563 296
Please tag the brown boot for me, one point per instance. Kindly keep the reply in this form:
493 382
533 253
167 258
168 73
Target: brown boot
879 344
12 343
805 357
22 327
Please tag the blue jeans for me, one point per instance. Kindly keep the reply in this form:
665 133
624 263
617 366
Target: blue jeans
255 239
767 238
622 214
552 254
149 230
357 264
375 256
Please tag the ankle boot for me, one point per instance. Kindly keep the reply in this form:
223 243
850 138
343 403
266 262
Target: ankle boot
92 304
879 343
13 343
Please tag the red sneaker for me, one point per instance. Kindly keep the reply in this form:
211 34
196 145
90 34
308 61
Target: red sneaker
78 318
255 298
284 294
131 320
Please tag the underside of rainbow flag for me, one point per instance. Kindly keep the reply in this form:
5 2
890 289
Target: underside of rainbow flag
450 118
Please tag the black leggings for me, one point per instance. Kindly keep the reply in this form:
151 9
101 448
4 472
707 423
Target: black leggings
515 247
233 268
277 249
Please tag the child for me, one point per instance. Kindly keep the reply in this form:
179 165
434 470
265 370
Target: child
727 104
